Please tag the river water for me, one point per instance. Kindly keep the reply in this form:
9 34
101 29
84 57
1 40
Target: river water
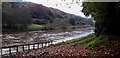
55 37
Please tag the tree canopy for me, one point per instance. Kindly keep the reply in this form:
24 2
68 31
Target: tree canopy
15 18
106 16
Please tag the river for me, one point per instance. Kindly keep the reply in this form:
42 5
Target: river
38 36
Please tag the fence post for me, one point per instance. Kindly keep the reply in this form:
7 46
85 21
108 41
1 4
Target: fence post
23 47
42 44
9 50
45 43
48 43
17 48
38 45
51 42
28 47
33 46
1 51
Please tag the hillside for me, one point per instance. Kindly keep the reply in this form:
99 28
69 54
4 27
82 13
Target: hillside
48 17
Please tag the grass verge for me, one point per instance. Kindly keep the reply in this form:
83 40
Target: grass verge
90 42
34 27
99 40
73 40
84 41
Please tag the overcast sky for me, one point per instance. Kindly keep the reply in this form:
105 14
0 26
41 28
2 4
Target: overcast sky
66 6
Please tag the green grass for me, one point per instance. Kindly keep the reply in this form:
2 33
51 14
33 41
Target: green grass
73 40
60 43
84 41
90 43
99 40
34 26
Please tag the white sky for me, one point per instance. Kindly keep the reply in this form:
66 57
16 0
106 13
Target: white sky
72 8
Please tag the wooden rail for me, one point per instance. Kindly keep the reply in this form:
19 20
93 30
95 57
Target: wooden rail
28 46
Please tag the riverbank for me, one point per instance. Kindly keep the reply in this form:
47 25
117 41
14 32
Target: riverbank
107 49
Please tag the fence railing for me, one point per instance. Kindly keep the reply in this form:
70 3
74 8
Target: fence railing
23 46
